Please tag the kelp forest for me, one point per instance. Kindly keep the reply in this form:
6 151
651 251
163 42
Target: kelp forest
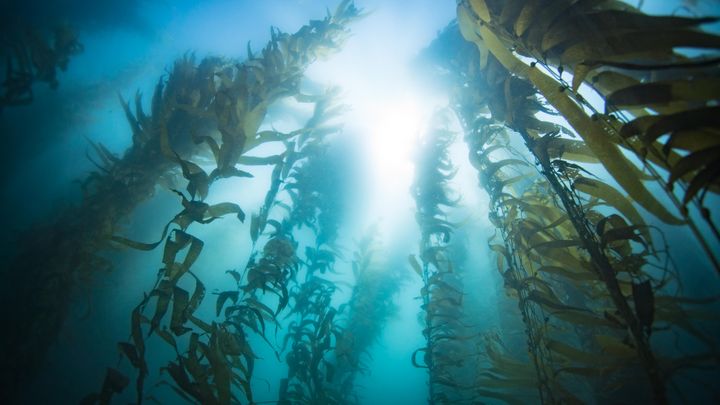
562 243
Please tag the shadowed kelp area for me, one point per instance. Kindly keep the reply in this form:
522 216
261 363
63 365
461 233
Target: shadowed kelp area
559 242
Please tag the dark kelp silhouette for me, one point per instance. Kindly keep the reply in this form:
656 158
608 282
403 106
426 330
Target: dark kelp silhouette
30 56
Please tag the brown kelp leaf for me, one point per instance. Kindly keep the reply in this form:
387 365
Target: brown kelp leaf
551 301
197 296
134 125
614 346
167 337
643 298
493 167
266 136
136 330
224 296
692 140
412 259
694 161
181 299
577 275
235 275
557 244
164 293
583 318
107 158
284 299
502 396
569 149
177 241
255 226
198 180
699 121
594 135
414 361
666 92
575 30
204 326
706 178
221 369
614 199
221 209
627 45
114 382
576 355
139 245
178 374
128 349
174 243
212 144
580 73
621 234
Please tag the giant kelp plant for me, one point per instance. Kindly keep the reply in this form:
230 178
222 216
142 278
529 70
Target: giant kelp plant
217 104
593 133
564 248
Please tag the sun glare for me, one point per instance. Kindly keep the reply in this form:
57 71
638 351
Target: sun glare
392 137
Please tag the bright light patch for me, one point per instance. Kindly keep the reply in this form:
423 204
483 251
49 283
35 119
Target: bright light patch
393 136
389 107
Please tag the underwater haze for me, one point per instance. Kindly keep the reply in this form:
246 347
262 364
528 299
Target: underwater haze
360 202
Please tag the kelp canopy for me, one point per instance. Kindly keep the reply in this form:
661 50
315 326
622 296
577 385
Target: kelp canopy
590 128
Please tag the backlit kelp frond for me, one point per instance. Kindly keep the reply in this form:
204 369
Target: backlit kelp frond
73 240
244 309
32 56
558 244
633 61
219 359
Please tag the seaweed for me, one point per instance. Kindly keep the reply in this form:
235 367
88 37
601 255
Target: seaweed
542 236
32 56
195 96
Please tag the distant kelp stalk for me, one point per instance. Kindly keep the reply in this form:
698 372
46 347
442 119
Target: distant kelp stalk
442 291
217 104
370 307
